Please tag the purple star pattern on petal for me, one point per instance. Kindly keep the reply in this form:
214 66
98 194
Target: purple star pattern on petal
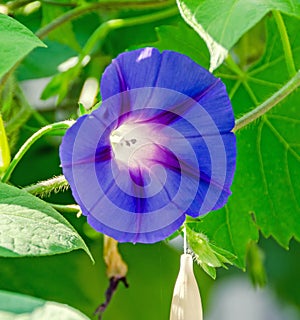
159 147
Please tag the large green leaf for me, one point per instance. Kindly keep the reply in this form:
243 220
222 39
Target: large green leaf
222 23
30 227
265 191
16 42
15 306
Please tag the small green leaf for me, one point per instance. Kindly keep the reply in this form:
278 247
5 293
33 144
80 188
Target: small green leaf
14 306
30 227
16 42
207 255
222 23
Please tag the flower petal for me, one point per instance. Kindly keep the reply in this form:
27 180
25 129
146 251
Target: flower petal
158 148
171 70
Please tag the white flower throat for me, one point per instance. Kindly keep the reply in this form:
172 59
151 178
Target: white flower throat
132 143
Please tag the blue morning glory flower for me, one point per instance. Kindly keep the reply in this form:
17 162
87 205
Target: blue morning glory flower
160 147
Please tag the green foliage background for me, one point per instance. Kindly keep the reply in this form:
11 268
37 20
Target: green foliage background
254 47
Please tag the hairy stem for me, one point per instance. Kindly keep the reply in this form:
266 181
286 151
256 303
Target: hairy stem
285 43
49 129
75 13
277 97
45 188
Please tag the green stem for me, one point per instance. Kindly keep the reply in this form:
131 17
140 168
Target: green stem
99 35
51 128
285 43
106 27
75 13
277 97
45 188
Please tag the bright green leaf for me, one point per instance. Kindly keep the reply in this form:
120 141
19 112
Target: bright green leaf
268 151
16 42
265 190
15 306
207 255
30 227
228 230
222 23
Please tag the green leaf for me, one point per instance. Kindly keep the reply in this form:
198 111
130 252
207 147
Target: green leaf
222 23
269 153
14 306
265 190
207 255
16 42
34 66
183 39
231 231
64 34
30 227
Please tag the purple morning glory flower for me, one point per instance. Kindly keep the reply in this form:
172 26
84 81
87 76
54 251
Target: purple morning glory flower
159 147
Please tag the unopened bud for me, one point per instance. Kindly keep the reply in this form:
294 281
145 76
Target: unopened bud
186 302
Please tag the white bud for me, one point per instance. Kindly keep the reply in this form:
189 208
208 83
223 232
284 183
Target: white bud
186 301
